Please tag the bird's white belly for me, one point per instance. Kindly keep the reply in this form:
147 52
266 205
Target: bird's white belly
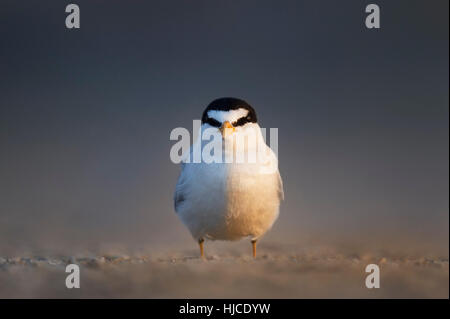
229 202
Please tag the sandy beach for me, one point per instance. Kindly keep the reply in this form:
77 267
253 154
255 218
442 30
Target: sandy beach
315 273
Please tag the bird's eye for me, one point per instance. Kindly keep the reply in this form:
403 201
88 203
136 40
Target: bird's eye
242 121
213 122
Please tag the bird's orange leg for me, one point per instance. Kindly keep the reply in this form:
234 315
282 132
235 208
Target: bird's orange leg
200 243
254 247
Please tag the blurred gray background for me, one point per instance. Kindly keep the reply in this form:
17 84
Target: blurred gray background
85 118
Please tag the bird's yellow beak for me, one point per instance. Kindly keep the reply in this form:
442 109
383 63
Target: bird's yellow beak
226 129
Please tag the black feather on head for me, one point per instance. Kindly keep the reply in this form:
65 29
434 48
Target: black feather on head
227 104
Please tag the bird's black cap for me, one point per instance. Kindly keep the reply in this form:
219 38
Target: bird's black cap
227 104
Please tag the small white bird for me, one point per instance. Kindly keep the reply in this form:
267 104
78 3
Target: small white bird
230 200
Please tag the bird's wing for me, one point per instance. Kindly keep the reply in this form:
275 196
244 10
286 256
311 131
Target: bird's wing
180 189
274 161
179 196
280 187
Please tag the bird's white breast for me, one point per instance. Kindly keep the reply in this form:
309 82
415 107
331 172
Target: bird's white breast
229 201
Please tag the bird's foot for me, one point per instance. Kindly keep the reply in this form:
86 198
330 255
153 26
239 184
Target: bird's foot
254 247
200 243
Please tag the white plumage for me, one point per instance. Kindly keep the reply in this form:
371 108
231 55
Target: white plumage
230 201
